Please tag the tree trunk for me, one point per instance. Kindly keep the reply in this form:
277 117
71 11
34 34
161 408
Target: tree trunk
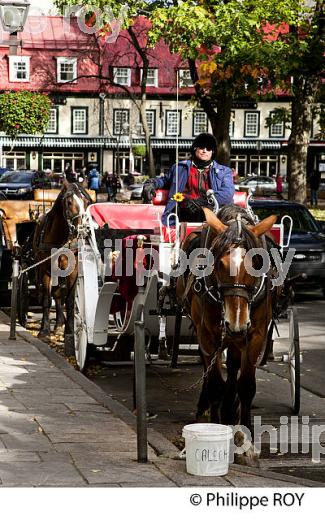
221 130
147 137
142 107
305 92
218 111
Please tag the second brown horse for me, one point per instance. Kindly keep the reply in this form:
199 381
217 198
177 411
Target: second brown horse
56 229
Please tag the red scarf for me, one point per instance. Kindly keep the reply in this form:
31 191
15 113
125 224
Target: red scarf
198 183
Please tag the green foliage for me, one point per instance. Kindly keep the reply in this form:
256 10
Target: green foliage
24 113
139 150
279 115
230 39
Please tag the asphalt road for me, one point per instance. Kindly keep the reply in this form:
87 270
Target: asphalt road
172 403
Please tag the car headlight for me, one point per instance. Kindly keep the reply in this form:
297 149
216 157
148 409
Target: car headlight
23 190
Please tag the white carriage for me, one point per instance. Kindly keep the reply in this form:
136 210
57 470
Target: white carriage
106 304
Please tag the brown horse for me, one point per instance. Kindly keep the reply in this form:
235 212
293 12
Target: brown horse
230 308
56 229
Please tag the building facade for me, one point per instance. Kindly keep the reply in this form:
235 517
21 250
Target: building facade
93 121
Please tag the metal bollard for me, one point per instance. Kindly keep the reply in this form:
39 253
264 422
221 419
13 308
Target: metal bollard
14 292
140 386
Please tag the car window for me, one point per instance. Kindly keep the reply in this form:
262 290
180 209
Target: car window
16 177
302 219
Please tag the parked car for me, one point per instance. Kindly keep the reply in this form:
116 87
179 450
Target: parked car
17 184
307 238
265 185
136 191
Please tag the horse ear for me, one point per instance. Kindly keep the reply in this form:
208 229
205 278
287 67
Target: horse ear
65 184
263 226
213 221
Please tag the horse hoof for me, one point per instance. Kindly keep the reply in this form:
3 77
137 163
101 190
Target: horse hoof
250 459
248 456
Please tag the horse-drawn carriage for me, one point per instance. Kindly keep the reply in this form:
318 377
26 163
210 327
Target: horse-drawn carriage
126 258
127 266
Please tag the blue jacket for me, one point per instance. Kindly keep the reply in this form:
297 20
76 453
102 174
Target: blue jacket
221 181
93 180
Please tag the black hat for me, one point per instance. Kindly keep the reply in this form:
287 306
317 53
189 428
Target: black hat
204 140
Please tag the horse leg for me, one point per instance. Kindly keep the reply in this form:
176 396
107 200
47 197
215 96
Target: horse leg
247 454
230 405
213 387
216 390
45 329
60 319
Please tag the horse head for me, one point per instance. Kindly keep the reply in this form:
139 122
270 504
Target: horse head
75 201
235 276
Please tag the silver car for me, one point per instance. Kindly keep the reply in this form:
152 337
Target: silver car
262 184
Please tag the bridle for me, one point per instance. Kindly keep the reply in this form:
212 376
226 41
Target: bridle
70 219
217 290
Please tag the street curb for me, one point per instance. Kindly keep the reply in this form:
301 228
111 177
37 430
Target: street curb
162 446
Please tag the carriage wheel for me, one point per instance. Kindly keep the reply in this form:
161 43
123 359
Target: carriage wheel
294 360
80 327
22 298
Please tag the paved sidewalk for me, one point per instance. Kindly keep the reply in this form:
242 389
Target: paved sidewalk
58 429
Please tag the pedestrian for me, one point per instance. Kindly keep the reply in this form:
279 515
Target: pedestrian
69 173
110 182
314 183
279 186
195 177
93 180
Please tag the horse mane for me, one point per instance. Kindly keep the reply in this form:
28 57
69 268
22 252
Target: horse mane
223 242
77 189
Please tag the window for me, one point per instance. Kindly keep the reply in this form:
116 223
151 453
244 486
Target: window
252 124
173 122
14 160
52 127
151 121
66 69
19 68
79 120
239 163
56 161
277 129
121 118
152 77
185 79
200 122
263 165
122 76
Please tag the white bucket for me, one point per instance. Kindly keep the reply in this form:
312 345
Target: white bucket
207 449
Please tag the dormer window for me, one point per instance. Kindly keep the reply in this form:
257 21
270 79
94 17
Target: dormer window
19 68
152 77
66 70
122 76
185 79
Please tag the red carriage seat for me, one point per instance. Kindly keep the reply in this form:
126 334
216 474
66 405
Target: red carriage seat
161 198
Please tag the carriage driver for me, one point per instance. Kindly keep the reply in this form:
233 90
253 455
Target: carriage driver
195 177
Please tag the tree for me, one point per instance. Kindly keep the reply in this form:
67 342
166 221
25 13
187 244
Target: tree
24 113
245 49
104 14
